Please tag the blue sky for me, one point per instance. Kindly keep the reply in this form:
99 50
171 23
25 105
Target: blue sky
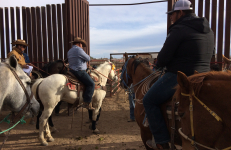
118 29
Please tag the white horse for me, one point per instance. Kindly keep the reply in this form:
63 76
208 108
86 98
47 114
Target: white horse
12 95
53 89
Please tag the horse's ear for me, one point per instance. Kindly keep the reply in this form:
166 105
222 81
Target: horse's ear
13 62
196 72
183 81
126 56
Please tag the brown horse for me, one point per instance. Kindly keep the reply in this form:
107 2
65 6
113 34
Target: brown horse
209 119
134 72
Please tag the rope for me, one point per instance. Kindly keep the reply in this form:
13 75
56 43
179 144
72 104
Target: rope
99 72
6 119
22 122
127 4
40 69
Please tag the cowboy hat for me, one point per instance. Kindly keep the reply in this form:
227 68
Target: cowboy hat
19 42
79 40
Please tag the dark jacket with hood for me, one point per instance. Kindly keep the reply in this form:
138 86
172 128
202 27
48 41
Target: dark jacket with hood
188 47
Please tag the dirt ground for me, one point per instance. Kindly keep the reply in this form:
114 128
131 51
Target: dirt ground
116 132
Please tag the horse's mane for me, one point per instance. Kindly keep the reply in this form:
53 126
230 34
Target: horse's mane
140 61
197 80
102 65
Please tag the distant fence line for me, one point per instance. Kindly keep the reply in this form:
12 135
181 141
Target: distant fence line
48 30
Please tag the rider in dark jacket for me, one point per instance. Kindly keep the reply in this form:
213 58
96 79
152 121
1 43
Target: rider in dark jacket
188 47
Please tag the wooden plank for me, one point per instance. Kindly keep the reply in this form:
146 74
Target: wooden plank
12 24
29 34
170 4
200 8
84 23
34 37
59 28
60 40
7 30
77 18
54 23
49 33
24 25
220 31
88 31
65 35
44 34
2 34
74 18
213 24
193 3
39 37
227 29
207 9
69 21
18 22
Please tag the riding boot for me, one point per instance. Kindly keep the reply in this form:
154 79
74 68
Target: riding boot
164 146
88 105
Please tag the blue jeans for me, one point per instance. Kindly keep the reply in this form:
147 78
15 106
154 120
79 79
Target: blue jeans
87 81
161 91
131 100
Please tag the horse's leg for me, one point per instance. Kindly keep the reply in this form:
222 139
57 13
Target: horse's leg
97 119
51 125
43 126
38 116
144 138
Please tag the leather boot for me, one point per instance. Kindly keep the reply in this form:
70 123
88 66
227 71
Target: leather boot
88 105
164 146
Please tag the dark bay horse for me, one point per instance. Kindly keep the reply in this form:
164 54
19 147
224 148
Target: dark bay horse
135 71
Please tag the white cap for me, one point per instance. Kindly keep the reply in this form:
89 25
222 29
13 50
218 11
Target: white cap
181 5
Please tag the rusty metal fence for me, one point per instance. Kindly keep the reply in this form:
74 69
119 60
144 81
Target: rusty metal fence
48 29
220 23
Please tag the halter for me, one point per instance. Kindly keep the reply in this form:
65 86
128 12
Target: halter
193 142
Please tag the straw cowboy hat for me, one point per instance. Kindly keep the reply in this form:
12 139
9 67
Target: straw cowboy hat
79 40
19 42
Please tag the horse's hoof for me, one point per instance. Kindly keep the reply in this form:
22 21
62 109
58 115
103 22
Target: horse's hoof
96 131
43 142
51 139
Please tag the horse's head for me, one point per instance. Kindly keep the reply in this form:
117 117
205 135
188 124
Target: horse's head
112 75
14 80
126 75
54 67
202 103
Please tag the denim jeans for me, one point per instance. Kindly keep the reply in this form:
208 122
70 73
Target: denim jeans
131 100
161 91
87 81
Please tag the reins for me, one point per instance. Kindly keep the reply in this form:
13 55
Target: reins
26 93
193 142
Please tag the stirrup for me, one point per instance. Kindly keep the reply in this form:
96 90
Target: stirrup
88 106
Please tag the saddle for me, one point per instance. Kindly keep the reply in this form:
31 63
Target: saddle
75 84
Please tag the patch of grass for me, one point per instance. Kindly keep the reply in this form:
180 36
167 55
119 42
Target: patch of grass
79 138
96 147
101 139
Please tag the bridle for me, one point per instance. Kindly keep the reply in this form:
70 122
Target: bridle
28 98
124 70
192 140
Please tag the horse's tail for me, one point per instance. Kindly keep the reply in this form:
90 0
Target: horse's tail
35 85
